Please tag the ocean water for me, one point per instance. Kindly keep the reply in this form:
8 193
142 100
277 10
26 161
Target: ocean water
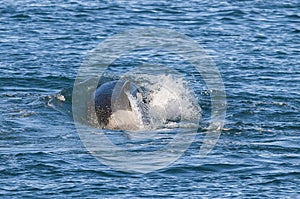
254 44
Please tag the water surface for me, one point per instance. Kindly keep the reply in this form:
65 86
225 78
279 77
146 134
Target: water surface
255 45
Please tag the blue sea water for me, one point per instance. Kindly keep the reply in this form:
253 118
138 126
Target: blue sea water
256 47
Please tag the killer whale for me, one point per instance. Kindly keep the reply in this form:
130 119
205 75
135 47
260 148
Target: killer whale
114 105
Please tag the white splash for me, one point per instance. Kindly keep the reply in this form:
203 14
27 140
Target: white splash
171 102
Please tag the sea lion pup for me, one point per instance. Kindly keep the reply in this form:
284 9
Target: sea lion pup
121 105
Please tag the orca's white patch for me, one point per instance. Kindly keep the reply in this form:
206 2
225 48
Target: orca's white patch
123 119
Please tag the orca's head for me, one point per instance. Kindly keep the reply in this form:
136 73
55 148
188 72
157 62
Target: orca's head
113 106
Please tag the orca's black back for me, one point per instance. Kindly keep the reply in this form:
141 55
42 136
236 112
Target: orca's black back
102 99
